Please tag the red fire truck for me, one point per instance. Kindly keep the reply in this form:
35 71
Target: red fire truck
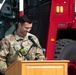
54 23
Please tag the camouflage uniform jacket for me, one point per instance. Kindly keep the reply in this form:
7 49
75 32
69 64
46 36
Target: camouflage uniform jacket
14 47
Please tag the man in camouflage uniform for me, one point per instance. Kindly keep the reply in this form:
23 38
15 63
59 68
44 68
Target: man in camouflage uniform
17 46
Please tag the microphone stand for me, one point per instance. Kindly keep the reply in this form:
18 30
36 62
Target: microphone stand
26 56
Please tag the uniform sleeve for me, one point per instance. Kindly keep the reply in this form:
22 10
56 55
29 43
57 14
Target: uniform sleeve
39 53
3 53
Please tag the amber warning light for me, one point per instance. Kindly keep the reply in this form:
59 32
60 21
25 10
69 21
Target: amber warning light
59 9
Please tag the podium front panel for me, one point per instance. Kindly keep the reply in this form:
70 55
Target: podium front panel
48 67
44 68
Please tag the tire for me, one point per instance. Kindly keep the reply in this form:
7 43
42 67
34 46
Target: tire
65 50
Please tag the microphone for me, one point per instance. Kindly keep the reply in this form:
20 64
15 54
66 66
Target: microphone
31 39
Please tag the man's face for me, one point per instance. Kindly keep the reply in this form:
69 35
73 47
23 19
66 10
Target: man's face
26 27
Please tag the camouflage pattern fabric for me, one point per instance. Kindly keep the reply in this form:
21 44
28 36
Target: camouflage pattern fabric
14 47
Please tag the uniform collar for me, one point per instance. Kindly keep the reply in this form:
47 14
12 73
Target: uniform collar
19 37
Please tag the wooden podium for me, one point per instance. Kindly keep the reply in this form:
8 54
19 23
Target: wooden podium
46 67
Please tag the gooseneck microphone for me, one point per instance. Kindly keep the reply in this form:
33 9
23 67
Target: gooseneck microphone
32 40
34 44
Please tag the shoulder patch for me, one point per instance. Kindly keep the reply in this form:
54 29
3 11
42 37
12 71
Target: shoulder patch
10 37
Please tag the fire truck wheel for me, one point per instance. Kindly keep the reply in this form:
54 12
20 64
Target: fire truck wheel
65 50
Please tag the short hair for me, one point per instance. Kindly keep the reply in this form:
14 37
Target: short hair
25 18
